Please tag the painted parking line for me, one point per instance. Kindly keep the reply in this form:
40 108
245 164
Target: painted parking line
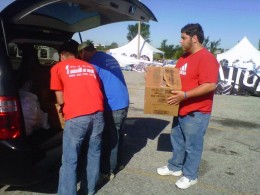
173 179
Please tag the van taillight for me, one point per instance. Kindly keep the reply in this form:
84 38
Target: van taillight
10 118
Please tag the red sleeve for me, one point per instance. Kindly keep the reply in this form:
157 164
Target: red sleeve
208 69
55 83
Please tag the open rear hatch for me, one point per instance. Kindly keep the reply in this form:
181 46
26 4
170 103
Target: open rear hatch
65 17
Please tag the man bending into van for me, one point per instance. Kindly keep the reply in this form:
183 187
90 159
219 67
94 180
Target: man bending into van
77 89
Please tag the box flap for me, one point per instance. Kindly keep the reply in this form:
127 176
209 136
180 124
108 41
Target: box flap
172 78
163 77
154 76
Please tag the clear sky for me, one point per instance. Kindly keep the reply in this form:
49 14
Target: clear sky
228 20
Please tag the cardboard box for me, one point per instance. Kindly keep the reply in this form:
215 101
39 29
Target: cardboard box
160 81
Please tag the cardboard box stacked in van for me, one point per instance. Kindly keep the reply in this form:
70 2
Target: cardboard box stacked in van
160 82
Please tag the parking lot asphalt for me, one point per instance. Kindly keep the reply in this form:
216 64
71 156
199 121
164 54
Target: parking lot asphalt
230 162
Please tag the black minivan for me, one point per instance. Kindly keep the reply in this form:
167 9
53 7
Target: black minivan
30 33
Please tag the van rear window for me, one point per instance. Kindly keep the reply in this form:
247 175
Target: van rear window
46 56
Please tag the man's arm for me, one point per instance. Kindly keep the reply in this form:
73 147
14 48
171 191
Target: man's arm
59 97
60 101
179 96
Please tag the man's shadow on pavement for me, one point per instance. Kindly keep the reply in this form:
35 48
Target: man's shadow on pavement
137 131
164 143
47 186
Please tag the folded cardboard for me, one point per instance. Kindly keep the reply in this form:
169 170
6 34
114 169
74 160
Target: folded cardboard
160 82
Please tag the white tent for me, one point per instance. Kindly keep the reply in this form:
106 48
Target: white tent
130 49
242 55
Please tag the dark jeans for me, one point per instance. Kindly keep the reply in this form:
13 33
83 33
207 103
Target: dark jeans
112 140
75 133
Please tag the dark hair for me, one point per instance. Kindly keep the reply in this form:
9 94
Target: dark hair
194 29
70 46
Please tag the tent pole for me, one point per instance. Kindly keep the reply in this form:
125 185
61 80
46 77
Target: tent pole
138 44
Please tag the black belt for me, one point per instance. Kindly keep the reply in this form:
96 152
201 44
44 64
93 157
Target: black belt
191 114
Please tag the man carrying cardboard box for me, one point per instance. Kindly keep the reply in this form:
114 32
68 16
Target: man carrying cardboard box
199 75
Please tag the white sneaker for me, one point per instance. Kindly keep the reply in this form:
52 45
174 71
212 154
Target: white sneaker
165 171
112 176
184 183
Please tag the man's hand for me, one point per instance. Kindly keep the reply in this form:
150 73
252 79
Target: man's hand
176 98
61 109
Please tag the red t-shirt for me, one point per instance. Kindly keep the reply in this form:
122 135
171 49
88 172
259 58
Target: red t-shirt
196 69
80 85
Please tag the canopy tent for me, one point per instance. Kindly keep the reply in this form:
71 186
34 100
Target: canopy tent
130 49
242 55
238 74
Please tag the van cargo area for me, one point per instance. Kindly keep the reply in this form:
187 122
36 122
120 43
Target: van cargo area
33 149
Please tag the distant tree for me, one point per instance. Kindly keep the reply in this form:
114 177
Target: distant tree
178 52
100 47
212 46
163 44
171 51
133 31
175 51
168 49
89 41
259 44
206 42
113 45
157 56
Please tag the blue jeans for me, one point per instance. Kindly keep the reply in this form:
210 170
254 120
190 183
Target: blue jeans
76 131
112 140
187 139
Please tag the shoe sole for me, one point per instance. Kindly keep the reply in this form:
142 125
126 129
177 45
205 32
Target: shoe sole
186 187
173 174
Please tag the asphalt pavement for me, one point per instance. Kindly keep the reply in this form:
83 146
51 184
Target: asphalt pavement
230 162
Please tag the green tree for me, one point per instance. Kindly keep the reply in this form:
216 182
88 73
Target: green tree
89 41
206 42
212 46
164 44
113 45
133 31
168 49
157 56
171 51
178 52
99 47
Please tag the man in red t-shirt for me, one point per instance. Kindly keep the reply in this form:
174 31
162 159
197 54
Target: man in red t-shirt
78 92
199 75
